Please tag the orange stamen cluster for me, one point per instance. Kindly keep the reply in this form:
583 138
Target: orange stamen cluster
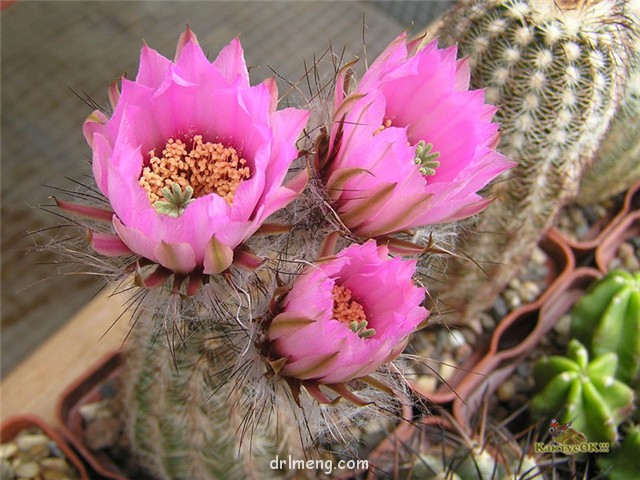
206 167
345 308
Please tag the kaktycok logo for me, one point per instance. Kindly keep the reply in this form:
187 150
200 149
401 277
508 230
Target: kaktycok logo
567 440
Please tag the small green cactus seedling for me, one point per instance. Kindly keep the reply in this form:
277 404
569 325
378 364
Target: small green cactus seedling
624 462
588 392
607 319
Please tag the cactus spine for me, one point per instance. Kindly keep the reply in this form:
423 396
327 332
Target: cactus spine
607 319
556 71
592 399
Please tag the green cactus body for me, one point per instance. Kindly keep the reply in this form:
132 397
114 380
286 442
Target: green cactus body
556 72
607 319
184 415
473 464
624 462
617 164
591 398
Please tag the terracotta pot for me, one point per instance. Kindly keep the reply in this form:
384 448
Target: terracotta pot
86 389
509 333
629 227
584 248
14 425
516 336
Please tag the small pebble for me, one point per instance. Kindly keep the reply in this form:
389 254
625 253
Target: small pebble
506 390
538 256
447 368
515 284
55 450
627 255
6 470
54 475
108 390
476 324
102 433
529 291
456 338
563 326
27 470
500 308
35 446
8 450
57 464
512 299
92 411
427 383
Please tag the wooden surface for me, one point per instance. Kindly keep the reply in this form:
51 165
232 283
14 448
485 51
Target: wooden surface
35 385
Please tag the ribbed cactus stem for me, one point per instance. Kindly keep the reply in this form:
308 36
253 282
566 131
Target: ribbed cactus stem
617 164
556 71
181 410
607 319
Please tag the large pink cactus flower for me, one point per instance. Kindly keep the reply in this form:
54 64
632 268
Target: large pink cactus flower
346 316
193 158
412 145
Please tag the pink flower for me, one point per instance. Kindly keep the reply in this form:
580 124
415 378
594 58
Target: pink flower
193 158
345 317
412 145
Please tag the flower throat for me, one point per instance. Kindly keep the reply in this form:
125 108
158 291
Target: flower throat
350 312
425 157
182 174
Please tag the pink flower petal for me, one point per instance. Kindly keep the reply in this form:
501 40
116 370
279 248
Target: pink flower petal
230 62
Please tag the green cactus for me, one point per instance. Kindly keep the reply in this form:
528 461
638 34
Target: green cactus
181 418
624 462
617 164
447 451
591 398
556 70
607 319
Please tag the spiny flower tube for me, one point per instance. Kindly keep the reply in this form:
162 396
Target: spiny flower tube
193 158
346 316
412 145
